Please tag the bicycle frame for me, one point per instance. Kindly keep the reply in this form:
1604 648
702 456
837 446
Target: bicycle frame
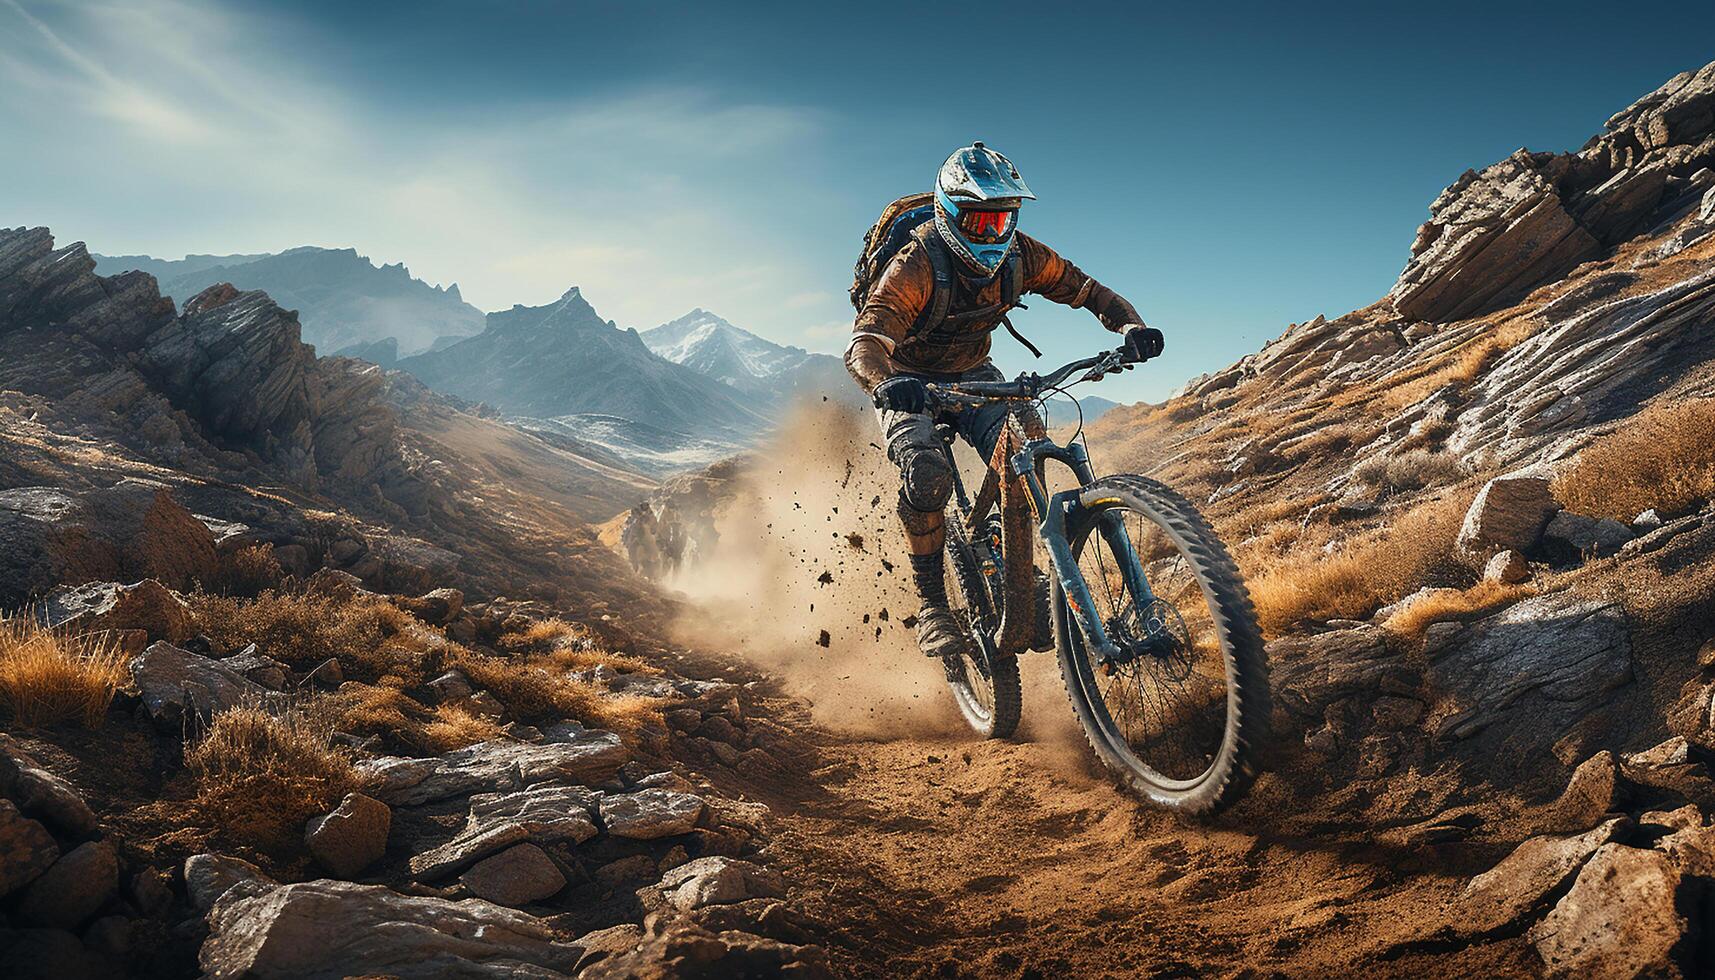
1052 514
1017 463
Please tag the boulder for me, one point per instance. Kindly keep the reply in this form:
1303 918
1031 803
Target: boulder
147 605
43 795
175 684
331 929
650 813
1517 888
1507 567
718 881
1491 237
258 667
208 877
1509 512
584 758
1619 920
26 849
676 947
545 813
451 686
1573 537
1312 672
50 954
1563 652
519 875
77 885
130 531
352 837
437 608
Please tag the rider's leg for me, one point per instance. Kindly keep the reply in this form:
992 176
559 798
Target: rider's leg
926 481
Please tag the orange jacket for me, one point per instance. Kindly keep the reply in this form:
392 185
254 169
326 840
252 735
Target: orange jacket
883 344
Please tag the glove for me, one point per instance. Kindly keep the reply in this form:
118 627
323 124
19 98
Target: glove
901 394
1142 343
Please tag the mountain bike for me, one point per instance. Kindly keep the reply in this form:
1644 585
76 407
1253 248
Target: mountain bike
1157 639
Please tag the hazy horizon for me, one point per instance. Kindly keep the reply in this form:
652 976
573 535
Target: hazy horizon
1229 170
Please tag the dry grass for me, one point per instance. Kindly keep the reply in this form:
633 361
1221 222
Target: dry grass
260 776
368 635
1663 457
1371 570
455 727
537 689
248 571
570 646
1416 469
50 676
1478 600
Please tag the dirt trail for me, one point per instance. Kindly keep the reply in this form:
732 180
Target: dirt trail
922 851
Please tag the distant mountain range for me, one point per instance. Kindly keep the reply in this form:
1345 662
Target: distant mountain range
769 372
675 397
582 376
342 298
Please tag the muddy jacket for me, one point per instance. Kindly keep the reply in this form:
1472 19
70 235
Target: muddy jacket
883 342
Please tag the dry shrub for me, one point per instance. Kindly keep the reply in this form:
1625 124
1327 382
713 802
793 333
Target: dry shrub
368 709
261 776
1478 600
368 635
455 727
570 646
1371 570
1417 469
538 689
1663 457
51 676
249 570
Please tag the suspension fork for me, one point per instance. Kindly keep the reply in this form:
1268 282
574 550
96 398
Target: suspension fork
1052 513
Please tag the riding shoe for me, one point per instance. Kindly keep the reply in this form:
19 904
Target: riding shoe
939 633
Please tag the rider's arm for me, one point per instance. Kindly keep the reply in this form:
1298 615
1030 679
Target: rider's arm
894 303
1049 275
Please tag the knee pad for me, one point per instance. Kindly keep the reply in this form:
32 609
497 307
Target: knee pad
919 524
928 481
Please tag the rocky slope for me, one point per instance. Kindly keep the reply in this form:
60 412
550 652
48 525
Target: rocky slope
107 381
342 299
278 720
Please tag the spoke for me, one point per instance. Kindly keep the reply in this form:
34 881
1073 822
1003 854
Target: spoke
1166 697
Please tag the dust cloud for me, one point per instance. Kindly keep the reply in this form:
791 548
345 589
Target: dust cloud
811 544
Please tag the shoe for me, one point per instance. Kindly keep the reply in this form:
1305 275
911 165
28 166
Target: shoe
939 633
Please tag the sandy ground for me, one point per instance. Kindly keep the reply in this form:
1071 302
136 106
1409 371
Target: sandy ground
925 851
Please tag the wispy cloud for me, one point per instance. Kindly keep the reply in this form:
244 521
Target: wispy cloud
169 126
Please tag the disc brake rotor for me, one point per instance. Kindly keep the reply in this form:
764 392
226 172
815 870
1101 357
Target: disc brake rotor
1157 634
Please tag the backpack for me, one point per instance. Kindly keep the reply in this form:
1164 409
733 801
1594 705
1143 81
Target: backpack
913 216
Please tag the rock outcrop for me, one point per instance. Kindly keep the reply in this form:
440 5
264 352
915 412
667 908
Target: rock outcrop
1495 235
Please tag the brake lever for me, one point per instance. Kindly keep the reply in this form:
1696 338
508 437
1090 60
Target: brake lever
1112 362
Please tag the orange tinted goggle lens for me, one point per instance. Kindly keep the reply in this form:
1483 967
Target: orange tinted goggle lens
987 224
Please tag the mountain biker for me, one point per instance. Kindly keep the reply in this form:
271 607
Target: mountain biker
894 350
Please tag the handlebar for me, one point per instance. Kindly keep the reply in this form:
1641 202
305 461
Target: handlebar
1029 386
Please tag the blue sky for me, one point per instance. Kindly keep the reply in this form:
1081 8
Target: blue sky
1231 168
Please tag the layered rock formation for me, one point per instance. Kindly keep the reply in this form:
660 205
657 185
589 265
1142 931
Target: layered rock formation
1498 233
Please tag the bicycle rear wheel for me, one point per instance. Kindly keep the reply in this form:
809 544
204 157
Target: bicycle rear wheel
983 680
1177 715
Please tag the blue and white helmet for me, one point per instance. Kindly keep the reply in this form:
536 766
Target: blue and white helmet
977 196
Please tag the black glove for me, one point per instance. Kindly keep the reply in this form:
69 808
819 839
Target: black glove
1143 343
901 394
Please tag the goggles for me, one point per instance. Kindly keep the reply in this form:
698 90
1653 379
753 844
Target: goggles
987 227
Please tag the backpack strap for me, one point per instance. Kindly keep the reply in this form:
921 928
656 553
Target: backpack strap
934 315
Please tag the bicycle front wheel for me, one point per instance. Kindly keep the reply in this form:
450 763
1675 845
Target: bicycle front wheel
1178 712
